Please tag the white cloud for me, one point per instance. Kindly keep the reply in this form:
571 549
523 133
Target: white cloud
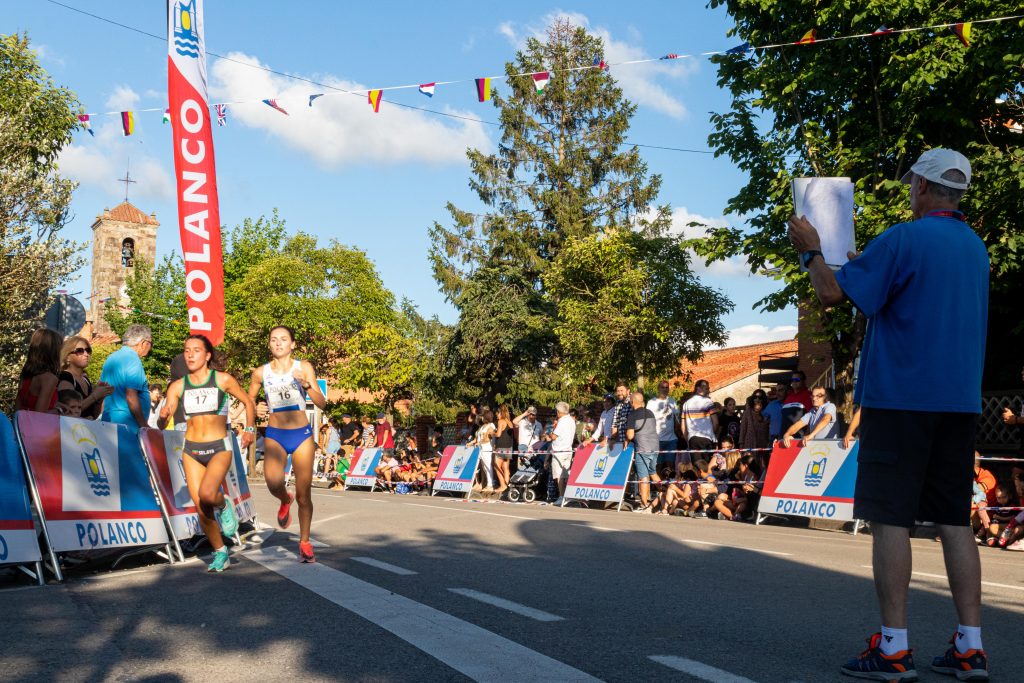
340 129
639 82
759 334
122 99
732 267
48 54
99 161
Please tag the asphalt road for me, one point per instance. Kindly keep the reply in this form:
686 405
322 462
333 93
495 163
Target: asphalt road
409 588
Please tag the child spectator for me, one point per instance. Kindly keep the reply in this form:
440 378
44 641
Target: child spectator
369 435
387 470
1000 516
707 489
729 421
681 496
69 402
743 490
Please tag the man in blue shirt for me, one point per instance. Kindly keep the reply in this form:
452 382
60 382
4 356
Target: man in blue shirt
923 286
773 411
129 404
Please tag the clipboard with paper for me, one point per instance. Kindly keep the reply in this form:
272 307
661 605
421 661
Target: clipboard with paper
828 205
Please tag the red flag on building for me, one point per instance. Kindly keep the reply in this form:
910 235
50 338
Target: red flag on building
194 169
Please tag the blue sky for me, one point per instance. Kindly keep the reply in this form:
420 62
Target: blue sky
375 181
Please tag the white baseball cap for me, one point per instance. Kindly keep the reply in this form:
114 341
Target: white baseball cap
933 163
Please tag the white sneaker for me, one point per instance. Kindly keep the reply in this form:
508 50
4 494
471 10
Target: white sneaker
1017 545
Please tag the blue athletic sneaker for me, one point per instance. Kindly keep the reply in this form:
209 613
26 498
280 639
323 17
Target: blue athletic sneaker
221 561
966 666
874 665
227 519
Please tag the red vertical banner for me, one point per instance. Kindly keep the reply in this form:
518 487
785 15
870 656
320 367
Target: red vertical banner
194 168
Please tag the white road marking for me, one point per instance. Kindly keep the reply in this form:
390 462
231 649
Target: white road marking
943 577
473 651
537 614
331 518
736 547
698 670
477 512
394 569
599 528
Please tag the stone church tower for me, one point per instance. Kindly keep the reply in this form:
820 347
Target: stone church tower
119 237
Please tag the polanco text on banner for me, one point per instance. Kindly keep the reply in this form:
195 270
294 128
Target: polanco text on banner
599 474
93 483
456 469
811 479
18 544
194 168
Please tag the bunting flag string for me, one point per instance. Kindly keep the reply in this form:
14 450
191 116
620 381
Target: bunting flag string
962 30
374 97
167 115
222 114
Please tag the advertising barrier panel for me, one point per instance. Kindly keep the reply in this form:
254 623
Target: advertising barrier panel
599 474
18 542
361 471
456 469
238 485
92 483
811 479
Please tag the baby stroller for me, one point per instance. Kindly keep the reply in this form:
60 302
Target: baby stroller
530 477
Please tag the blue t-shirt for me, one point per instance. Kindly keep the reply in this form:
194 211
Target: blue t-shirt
816 415
123 370
773 411
924 289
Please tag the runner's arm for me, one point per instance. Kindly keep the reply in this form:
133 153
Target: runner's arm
311 387
170 404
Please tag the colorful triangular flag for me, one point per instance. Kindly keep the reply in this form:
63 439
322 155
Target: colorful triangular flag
483 89
739 49
313 97
127 123
600 63
808 38
541 79
274 105
881 30
374 97
427 89
222 114
84 118
963 32
670 55
167 115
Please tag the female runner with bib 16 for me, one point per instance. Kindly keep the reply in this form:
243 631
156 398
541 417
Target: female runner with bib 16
207 454
285 383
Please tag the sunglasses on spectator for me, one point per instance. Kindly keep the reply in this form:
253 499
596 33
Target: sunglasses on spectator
796 379
818 395
79 352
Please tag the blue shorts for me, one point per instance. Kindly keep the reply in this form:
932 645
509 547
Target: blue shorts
290 439
645 464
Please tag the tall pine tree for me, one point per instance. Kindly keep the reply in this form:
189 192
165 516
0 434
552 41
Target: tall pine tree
561 174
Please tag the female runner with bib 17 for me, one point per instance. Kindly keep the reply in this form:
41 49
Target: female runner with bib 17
285 383
207 454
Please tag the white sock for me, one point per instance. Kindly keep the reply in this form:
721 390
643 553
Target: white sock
893 640
967 638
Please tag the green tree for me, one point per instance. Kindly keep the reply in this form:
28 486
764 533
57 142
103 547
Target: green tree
629 306
37 118
866 108
559 174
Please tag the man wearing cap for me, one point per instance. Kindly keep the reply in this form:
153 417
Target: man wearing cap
923 286
384 434
529 429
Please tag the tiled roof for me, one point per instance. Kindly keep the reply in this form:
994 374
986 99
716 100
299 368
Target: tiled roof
128 213
722 367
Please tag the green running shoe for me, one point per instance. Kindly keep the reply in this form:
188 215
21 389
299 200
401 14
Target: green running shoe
221 561
227 519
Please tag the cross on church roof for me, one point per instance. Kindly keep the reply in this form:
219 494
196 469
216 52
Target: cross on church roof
127 179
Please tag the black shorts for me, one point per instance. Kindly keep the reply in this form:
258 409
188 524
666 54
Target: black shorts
203 451
915 465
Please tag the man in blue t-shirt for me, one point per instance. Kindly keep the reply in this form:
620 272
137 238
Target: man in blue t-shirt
129 404
923 286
